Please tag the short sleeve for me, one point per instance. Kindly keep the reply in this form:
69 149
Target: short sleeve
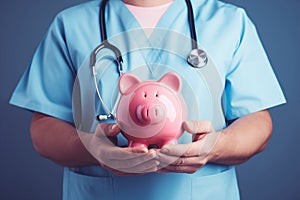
251 84
47 84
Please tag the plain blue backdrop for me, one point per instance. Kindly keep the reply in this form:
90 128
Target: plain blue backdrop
273 174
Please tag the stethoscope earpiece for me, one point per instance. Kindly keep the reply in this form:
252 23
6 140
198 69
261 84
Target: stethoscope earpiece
197 58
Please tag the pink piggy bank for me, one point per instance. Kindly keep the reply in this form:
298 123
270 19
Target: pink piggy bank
150 113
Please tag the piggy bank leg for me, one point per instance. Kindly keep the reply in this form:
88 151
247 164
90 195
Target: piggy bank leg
137 144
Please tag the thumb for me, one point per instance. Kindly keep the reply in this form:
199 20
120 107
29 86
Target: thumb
108 130
198 126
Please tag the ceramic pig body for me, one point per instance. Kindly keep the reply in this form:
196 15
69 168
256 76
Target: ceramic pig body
151 112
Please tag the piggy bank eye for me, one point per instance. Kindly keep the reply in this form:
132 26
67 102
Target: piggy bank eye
145 95
156 94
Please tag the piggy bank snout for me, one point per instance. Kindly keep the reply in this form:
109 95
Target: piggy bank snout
150 114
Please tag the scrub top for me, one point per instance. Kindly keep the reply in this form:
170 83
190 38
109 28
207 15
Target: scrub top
224 31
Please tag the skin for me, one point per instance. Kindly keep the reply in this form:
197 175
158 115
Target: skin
146 3
235 144
61 142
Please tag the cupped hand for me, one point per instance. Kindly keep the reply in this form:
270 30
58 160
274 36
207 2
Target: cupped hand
118 160
189 158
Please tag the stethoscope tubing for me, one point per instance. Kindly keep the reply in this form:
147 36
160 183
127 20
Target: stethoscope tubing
192 24
106 45
194 58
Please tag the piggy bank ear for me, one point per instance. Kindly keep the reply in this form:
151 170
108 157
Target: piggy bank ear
172 80
127 83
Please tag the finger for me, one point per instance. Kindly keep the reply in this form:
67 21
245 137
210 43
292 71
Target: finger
108 152
146 167
137 165
129 163
102 137
138 149
199 128
149 169
166 160
180 164
180 169
108 130
182 150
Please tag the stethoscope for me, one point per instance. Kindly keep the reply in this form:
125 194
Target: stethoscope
197 57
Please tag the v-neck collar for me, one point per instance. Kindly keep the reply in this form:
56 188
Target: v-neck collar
121 21
128 22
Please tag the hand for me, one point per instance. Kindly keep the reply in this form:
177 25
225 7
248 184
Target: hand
120 161
188 158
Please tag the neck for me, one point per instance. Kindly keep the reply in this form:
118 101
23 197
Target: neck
146 3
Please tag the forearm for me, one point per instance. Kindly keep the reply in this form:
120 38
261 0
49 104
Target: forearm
58 141
241 140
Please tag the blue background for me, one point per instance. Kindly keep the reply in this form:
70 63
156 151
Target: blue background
273 174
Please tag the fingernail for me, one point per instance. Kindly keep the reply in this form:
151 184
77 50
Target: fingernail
188 123
113 126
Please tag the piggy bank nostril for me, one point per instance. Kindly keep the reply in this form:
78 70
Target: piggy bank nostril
142 114
158 113
145 114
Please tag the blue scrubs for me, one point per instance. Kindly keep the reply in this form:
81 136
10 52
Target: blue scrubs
224 31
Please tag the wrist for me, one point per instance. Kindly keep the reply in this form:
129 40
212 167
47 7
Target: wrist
214 152
84 157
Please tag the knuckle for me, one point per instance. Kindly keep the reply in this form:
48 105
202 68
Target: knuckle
188 152
206 124
180 161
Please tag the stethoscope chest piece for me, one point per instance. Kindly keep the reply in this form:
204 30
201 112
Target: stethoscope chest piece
197 58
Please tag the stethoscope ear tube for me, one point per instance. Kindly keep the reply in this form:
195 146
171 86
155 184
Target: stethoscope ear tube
102 21
192 24
106 45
